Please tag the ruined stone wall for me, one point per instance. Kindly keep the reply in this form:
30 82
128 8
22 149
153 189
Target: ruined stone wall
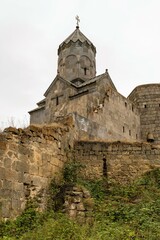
29 159
78 204
147 98
118 161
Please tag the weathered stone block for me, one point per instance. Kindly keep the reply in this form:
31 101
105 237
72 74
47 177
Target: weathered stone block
13 147
12 130
6 193
2 173
11 174
80 207
39 181
16 205
26 178
72 213
23 150
76 199
72 206
33 169
18 186
3 146
21 166
7 162
86 194
7 184
6 209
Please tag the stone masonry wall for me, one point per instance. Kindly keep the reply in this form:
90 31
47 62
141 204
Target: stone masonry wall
29 159
118 161
108 109
147 98
78 204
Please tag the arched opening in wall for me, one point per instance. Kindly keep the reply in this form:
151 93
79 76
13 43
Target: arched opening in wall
85 66
70 67
145 106
104 167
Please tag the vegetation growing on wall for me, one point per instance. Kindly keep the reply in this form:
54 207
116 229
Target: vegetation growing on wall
121 213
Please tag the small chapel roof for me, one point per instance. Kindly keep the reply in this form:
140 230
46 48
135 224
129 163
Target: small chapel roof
74 37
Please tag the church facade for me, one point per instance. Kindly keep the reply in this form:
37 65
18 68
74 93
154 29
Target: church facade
94 100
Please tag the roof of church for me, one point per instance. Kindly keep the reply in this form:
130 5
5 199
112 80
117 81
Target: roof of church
53 82
74 37
98 78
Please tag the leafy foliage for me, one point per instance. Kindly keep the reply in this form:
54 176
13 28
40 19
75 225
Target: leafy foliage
129 212
71 171
97 188
27 221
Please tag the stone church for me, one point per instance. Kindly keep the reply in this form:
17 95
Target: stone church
98 108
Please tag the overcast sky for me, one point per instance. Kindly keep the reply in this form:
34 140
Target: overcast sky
126 34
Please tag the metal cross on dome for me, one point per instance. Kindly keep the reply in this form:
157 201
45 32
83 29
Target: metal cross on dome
78 20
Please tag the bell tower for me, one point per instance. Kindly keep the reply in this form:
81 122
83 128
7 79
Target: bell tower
76 57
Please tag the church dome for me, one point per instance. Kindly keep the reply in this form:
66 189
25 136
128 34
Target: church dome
77 57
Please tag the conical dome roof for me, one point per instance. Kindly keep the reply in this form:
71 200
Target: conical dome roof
74 37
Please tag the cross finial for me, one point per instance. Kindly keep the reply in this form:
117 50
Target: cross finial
78 20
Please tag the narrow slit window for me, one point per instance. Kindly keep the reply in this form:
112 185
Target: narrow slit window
57 101
85 71
129 132
123 129
104 167
145 106
132 108
125 104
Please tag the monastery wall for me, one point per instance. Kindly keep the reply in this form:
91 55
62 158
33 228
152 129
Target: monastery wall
119 161
29 159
